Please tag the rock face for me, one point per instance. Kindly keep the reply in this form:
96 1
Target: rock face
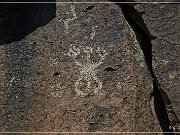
16 72
81 71
105 73
162 20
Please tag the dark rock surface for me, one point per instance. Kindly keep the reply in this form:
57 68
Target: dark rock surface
162 21
104 63
82 71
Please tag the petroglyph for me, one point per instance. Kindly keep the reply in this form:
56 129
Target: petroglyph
66 22
11 81
92 35
87 69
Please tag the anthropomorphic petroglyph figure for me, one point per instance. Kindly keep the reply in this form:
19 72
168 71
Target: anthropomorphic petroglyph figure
88 68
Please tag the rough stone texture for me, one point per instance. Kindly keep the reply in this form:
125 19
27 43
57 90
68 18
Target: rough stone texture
17 60
125 85
162 20
82 72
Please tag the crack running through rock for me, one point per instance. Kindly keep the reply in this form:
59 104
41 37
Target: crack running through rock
162 103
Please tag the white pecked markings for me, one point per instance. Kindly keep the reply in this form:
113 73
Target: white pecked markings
87 69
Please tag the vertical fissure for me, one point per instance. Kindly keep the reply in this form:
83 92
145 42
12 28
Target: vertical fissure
143 36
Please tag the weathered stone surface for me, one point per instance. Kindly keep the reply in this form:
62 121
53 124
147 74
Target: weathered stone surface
115 83
162 20
82 72
16 76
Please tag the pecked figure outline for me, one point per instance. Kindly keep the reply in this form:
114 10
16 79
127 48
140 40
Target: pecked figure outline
87 70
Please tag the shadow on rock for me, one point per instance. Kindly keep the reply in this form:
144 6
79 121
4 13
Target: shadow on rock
19 20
